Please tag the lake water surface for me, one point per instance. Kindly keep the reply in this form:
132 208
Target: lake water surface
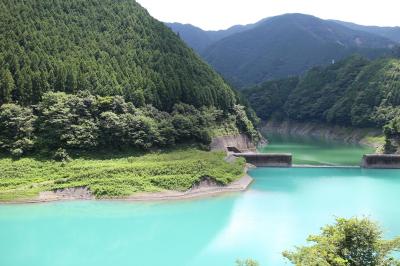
316 151
282 207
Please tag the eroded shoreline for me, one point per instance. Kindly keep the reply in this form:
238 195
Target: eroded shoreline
74 194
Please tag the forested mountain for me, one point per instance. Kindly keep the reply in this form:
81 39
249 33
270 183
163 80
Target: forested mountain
288 45
354 92
103 74
282 46
106 47
392 33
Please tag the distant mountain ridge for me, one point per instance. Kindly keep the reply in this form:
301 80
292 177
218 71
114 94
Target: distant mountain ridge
200 39
392 33
281 46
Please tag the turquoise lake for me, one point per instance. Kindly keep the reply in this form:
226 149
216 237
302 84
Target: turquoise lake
281 208
316 151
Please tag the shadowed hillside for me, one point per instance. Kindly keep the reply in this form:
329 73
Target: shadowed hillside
283 46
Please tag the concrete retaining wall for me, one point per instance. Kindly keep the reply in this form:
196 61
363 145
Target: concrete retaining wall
267 160
241 142
381 161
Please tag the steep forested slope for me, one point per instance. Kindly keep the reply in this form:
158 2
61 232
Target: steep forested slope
107 47
268 99
353 92
103 74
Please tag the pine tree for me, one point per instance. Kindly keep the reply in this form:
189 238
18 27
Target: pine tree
7 86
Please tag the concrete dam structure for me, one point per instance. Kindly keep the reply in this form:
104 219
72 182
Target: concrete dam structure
382 161
267 159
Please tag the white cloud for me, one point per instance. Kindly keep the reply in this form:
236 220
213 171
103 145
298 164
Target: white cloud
221 14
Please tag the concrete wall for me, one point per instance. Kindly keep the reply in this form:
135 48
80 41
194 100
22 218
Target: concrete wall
381 161
267 160
241 141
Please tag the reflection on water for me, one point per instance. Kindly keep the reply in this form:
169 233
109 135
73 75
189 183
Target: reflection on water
282 207
314 151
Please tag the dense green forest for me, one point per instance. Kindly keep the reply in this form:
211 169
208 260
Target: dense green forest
84 122
106 47
84 75
354 92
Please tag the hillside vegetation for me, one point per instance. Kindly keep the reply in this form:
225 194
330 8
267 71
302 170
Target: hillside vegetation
354 92
81 78
120 176
85 75
85 122
106 47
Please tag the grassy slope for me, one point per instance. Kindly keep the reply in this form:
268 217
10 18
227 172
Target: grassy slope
115 177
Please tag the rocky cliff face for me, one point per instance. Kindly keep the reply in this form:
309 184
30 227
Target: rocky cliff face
241 141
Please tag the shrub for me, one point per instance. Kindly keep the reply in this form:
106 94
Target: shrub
349 242
61 155
16 129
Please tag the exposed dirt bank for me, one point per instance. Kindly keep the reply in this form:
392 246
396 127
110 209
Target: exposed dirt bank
75 193
201 190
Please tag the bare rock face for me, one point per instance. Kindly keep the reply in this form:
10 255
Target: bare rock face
73 193
241 141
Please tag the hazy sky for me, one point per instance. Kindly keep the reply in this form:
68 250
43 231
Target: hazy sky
221 14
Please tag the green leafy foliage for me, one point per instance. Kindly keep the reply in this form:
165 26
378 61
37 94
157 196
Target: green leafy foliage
16 129
349 242
115 174
392 135
61 155
82 122
245 124
105 47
